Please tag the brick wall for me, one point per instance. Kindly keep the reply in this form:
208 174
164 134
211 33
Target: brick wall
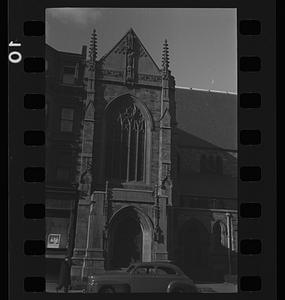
58 226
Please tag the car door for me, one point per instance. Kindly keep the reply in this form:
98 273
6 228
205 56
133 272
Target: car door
164 275
143 279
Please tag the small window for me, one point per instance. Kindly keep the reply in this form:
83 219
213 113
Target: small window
203 164
141 270
219 163
211 164
165 271
63 174
144 270
69 73
66 122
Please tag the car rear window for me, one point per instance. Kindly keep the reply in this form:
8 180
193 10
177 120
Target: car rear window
165 271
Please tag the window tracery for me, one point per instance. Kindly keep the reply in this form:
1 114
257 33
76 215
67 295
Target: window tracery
126 142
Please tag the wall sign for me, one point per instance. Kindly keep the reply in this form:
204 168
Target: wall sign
53 240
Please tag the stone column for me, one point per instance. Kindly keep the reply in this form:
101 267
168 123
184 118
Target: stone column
164 126
165 174
229 236
85 172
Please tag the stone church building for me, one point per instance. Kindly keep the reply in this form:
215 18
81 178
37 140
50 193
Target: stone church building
137 169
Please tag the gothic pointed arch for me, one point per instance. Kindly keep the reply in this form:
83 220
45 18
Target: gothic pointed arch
135 212
127 140
143 108
134 227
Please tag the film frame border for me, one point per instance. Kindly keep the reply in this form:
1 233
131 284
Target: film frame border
256 138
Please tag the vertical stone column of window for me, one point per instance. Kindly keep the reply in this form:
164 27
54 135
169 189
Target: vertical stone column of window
234 232
235 241
229 235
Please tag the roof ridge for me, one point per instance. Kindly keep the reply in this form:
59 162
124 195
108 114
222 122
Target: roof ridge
205 90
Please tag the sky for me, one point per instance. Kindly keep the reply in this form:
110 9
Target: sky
202 42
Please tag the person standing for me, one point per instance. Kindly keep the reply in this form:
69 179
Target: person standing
64 276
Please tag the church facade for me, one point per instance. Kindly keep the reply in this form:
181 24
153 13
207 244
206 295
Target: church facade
138 169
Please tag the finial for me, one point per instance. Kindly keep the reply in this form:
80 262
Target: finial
165 58
93 50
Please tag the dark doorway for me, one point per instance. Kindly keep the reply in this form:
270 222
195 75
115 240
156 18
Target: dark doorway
126 244
53 269
220 253
193 255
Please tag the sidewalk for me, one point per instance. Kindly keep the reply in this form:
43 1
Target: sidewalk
217 287
51 288
203 287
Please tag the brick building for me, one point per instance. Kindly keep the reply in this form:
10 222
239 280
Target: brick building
143 169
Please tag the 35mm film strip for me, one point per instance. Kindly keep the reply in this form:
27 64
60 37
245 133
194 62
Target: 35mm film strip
256 261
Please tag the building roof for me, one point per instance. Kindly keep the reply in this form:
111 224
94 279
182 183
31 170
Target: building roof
50 48
206 118
203 185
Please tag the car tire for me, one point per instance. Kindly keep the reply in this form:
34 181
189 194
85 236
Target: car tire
107 290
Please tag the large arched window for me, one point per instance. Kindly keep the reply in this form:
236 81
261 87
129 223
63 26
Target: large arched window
126 131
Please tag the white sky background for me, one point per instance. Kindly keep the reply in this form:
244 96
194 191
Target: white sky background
202 42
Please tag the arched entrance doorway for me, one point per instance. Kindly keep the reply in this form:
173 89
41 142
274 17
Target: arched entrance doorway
220 251
127 244
193 256
129 238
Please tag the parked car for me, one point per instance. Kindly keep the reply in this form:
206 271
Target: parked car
150 277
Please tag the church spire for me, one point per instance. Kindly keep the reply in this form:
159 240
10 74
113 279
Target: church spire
165 59
93 50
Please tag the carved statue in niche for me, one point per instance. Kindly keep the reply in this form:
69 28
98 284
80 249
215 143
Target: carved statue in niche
130 55
158 235
130 66
130 59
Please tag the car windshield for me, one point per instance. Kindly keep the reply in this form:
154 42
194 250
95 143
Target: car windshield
165 270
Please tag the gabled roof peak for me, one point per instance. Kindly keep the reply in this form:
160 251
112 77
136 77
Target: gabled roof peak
134 38
130 30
